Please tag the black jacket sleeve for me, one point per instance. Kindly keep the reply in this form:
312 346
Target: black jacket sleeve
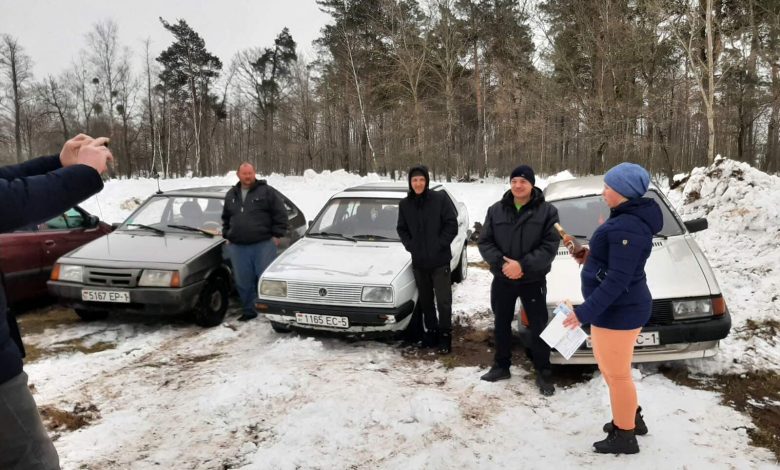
36 166
449 221
33 199
278 215
487 244
226 213
402 227
540 258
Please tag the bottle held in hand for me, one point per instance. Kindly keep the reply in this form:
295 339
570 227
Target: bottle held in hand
575 248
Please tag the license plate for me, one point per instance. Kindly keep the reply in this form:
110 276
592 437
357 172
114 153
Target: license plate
322 320
91 295
651 338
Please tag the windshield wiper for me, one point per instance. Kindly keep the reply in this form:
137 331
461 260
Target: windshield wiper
192 229
660 235
156 230
373 237
331 235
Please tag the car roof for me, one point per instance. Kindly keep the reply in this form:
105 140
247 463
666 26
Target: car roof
387 189
577 187
206 191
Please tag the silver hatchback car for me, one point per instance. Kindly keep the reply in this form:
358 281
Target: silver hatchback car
689 315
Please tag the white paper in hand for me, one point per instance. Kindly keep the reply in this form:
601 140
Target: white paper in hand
564 339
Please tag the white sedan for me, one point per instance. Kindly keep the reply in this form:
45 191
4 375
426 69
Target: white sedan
350 273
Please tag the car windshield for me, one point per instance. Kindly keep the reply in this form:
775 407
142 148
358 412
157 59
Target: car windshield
582 216
357 219
177 214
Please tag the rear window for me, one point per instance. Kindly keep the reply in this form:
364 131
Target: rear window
582 216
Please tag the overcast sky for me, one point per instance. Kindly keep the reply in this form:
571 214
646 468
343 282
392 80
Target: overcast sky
52 32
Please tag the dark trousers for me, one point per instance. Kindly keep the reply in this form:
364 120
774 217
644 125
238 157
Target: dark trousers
435 283
503 296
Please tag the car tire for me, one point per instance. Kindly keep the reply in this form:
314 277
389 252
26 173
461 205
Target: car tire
461 271
280 327
213 303
91 315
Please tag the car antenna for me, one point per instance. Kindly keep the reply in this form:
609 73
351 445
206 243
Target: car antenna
157 176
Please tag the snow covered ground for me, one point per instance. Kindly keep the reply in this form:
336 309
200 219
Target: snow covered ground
172 395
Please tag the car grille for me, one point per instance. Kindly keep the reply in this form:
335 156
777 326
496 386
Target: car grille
333 293
662 313
110 277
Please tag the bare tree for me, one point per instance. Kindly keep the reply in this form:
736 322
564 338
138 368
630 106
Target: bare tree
17 70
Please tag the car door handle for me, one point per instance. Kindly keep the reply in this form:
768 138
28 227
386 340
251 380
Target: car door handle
49 243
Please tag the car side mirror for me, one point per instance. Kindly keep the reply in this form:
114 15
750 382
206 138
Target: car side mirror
696 225
115 225
92 221
310 223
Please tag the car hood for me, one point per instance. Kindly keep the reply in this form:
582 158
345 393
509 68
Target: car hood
672 272
334 261
146 248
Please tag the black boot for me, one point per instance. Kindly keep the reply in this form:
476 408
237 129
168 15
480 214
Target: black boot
430 339
496 373
544 382
640 428
445 342
618 441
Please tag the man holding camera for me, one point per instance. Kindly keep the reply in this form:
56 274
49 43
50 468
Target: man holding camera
33 192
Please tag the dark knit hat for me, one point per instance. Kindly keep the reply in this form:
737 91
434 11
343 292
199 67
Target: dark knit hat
628 179
523 171
417 171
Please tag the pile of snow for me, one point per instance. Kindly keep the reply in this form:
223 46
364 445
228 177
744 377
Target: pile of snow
742 245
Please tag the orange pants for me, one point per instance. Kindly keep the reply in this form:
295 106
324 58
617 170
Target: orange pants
614 350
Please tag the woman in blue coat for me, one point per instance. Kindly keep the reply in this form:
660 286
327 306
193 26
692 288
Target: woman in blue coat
617 300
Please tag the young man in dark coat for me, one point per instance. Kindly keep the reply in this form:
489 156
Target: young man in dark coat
253 221
519 242
31 193
427 225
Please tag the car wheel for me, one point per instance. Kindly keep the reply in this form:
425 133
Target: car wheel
91 315
461 271
280 327
213 303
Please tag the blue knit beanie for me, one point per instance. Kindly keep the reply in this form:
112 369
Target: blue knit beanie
628 179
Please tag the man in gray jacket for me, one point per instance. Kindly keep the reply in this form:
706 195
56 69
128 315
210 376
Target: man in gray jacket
253 220
519 242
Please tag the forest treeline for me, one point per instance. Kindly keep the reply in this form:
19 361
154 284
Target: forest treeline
468 87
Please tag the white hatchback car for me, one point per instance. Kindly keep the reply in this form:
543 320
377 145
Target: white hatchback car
350 273
689 315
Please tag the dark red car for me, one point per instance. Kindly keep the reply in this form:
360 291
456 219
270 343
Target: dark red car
27 255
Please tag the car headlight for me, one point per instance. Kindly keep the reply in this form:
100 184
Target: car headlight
68 272
273 288
377 294
158 278
687 309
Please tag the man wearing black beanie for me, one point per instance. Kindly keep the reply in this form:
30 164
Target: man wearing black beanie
519 242
427 225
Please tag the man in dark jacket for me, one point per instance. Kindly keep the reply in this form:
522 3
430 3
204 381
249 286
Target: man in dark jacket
519 242
253 220
427 225
33 192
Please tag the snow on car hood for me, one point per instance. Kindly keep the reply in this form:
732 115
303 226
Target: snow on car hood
145 248
334 261
672 272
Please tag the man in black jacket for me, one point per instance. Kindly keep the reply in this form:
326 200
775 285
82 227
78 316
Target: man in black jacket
427 225
253 220
33 192
519 242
